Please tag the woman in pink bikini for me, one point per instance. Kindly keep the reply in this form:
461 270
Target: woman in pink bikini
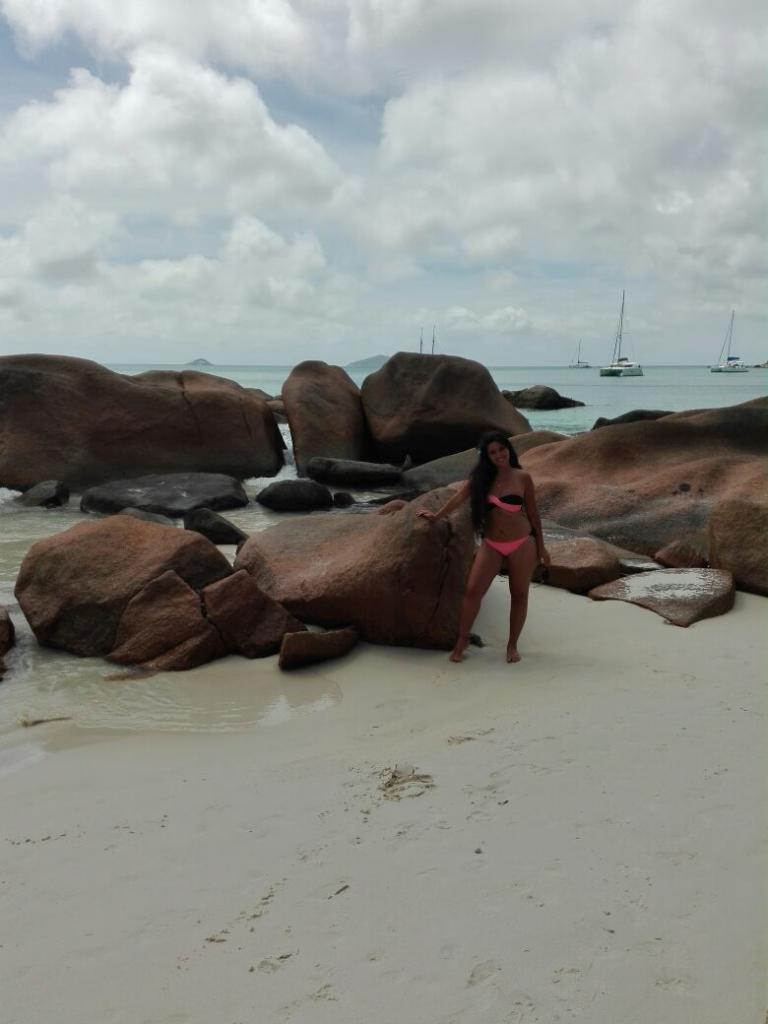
505 516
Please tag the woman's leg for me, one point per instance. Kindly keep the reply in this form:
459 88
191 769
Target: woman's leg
521 564
485 566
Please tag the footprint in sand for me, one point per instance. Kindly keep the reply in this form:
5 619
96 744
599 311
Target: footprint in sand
482 972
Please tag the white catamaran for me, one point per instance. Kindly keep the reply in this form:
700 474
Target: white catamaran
578 363
620 365
726 363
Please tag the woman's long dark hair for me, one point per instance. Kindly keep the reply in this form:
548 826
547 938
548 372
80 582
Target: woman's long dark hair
484 473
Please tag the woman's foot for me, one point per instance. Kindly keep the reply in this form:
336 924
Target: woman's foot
457 654
512 653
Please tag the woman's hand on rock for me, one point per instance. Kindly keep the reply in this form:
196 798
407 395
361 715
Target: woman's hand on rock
544 558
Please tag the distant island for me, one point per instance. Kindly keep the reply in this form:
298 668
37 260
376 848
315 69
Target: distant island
199 362
371 363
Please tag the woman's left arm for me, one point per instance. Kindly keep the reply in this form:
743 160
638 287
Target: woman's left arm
532 511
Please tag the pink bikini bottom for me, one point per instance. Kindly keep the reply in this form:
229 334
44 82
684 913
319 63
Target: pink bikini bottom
506 547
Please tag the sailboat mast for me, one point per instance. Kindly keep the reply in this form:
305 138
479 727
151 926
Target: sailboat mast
619 331
730 334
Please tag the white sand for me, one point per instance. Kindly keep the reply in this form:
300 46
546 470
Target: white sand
591 849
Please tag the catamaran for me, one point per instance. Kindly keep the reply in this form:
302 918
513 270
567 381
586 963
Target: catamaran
620 365
579 363
726 363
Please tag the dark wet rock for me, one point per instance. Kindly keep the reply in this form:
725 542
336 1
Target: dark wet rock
539 396
47 494
295 496
246 618
342 499
75 586
325 414
636 415
681 554
171 494
7 637
352 473
396 578
681 596
430 406
213 526
76 421
300 649
147 517
738 538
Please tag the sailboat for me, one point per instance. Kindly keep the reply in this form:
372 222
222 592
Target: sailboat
729 364
579 363
620 365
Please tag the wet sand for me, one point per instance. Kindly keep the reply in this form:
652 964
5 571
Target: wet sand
579 837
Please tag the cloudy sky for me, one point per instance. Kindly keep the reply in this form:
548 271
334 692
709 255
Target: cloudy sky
264 181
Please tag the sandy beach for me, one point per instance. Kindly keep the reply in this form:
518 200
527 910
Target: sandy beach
576 838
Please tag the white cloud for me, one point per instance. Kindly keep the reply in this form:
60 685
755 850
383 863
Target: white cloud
530 161
177 133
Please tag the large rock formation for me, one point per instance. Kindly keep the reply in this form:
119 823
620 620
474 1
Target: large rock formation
642 485
397 579
325 414
428 406
74 420
73 587
140 593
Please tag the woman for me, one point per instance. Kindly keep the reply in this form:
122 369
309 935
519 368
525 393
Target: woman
505 516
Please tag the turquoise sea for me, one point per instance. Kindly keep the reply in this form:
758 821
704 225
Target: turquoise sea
663 387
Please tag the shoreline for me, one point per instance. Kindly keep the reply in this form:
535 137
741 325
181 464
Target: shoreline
609 782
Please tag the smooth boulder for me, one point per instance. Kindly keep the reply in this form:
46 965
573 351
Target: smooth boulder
295 496
213 526
681 596
633 416
429 406
164 627
300 649
248 620
581 563
46 494
352 473
396 578
642 485
738 540
539 396
325 414
172 494
76 421
75 586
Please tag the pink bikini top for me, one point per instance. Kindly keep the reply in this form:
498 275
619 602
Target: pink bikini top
507 502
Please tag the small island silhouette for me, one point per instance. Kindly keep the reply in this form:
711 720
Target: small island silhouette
199 362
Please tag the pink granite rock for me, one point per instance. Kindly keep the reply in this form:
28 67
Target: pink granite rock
681 596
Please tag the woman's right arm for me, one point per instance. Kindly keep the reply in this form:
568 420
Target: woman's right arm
458 499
